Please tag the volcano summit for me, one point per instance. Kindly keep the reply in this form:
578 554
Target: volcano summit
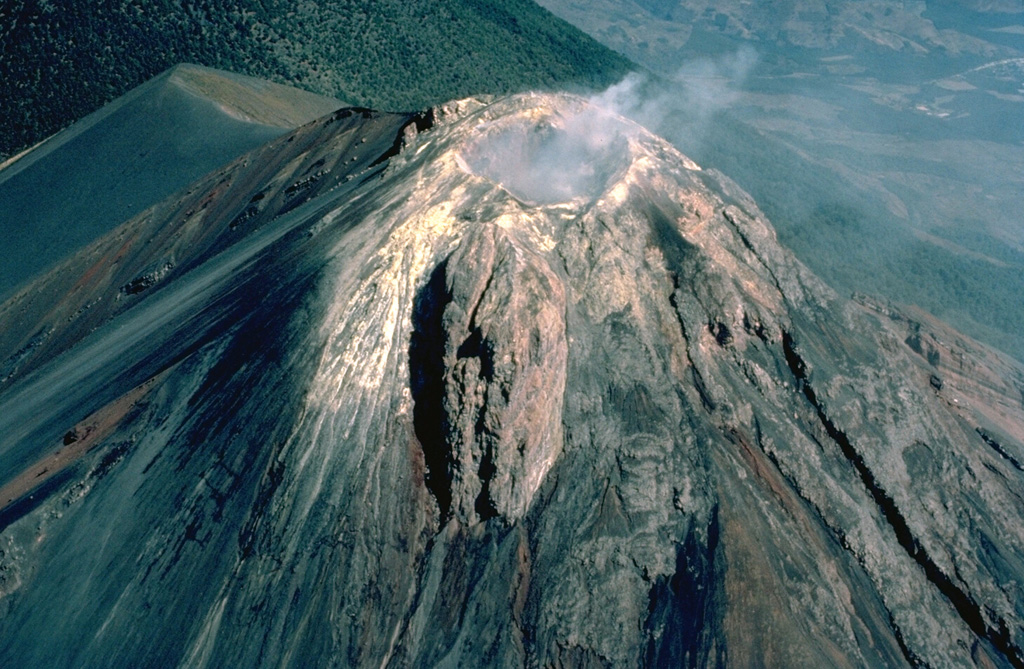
511 382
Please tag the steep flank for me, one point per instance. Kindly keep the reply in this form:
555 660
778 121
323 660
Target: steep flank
364 398
61 61
139 149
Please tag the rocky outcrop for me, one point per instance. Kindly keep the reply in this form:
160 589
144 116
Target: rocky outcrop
413 417
488 364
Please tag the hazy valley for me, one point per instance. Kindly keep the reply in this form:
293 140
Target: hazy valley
884 140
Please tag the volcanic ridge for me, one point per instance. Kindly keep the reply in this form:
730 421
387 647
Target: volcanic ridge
508 382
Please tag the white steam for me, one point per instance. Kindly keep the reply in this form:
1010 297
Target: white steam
560 159
692 96
568 157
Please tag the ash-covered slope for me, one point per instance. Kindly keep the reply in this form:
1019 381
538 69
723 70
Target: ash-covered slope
132 153
510 383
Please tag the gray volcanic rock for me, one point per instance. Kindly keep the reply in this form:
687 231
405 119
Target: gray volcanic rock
492 349
375 408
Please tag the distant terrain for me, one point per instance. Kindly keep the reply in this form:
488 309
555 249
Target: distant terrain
885 140
60 60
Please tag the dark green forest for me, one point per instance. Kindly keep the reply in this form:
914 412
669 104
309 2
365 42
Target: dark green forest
62 59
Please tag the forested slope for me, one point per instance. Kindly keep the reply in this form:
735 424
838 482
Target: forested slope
61 60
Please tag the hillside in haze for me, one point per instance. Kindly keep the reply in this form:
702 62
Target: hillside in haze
885 139
509 382
62 60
